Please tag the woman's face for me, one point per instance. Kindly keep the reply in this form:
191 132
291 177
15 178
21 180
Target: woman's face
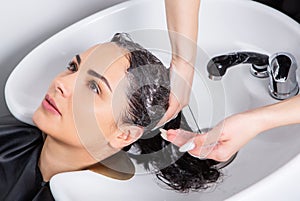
84 102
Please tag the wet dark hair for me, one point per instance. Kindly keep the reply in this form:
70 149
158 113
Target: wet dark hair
148 95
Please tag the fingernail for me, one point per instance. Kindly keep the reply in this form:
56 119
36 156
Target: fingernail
174 117
203 154
199 157
163 133
187 146
156 127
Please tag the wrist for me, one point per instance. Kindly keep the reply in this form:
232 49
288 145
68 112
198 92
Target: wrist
267 117
181 62
258 120
182 67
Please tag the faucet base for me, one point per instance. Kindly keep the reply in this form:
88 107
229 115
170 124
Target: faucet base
215 78
259 71
280 96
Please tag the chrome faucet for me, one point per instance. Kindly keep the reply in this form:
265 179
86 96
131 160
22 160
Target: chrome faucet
280 68
217 66
282 73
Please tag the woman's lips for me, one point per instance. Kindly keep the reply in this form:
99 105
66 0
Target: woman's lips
49 104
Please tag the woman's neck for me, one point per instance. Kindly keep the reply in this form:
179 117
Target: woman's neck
57 157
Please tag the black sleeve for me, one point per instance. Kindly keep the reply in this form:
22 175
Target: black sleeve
44 194
20 147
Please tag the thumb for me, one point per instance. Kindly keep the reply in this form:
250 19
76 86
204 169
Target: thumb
203 146
178 137
171 113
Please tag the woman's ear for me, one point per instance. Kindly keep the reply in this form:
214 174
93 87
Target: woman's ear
127 135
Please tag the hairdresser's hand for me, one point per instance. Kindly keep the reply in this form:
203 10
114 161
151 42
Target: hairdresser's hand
181 77
223 141
234 132
182 20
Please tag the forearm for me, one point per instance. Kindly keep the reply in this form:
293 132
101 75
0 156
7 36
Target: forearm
280 114
182 19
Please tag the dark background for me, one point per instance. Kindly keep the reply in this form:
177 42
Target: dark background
289 7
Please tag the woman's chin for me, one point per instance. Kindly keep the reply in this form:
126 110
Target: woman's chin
40 120
35 118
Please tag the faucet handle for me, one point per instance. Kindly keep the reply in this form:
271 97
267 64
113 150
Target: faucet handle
259 71
282 73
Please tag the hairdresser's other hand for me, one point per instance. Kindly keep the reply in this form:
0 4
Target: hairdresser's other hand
235 131
181 78
223 141
182 20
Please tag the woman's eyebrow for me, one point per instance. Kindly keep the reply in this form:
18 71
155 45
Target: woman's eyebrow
95 74
78 59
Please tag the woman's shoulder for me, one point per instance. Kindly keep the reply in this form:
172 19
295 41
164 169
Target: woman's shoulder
10 128
20 146
9 120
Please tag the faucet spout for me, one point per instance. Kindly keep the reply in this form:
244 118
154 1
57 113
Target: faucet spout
218 65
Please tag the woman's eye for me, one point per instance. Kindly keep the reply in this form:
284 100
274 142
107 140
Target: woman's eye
94 86
72 67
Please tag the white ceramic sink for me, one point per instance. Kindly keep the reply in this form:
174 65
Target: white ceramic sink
225 26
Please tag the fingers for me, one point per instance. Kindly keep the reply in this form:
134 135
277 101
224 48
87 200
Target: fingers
197 145
218 144
178 137
185 140
221 153
171 113
180 83
190 142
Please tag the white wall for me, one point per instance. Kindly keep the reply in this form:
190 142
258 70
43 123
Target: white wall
25 24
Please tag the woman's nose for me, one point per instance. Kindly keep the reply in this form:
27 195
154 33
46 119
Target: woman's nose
64 85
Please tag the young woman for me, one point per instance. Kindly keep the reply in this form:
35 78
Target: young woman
107 100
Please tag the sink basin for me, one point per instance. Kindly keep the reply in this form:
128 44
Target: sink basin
225 26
